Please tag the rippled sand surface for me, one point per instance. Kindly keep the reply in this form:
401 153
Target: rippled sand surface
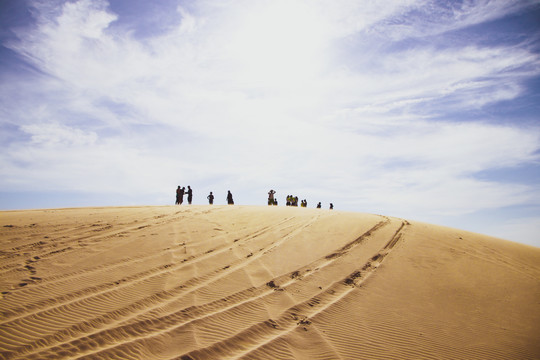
245 282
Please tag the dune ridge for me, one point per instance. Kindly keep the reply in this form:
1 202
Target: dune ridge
230 282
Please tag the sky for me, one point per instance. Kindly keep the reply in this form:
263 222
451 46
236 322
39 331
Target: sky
419 109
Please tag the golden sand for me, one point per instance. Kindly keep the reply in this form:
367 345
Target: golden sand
231 282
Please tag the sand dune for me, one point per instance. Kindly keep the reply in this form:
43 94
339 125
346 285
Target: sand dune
229 282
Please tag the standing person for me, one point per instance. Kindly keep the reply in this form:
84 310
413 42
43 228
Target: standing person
178 189
189 195
181 194
271 197
319 205
230 200
210 198
331 206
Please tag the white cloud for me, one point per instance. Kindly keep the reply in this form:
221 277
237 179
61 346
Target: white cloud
471 77
421 167
234 65
252 93
430 17
54 134
85 19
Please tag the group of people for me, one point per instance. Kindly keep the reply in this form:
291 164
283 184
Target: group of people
291 200
181 191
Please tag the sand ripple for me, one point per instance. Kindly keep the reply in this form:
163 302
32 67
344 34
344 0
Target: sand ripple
224 282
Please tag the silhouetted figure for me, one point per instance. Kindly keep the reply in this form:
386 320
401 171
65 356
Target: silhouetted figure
303 203
319 205
230 200
331 206
178 189
210 198
180 195
275 202
295 201
271 197
189 195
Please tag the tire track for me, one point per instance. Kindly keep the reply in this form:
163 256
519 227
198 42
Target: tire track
122 262
72 244
156 326
143 305
264 333
65 299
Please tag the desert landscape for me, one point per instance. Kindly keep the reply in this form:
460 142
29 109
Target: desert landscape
249 282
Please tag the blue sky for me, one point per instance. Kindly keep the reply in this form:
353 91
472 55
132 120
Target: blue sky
425 110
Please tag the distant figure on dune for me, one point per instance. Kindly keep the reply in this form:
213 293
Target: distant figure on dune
271 197
292 200
303 203
180 195
331 206
178 189
230 200
319 205
189 195
210 198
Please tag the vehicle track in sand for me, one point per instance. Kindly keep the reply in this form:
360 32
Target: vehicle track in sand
25 317
244 282
207 313
247 342
123 331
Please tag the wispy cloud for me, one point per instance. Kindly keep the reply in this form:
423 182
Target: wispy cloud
356 103
420 19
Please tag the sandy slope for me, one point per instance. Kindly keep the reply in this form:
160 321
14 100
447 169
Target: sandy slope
200 282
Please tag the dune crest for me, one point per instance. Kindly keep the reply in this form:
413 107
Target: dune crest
230 282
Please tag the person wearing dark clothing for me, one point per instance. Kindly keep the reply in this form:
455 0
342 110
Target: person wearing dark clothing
210 198
178 189
180 195
331 206
319 205
189 195
230 200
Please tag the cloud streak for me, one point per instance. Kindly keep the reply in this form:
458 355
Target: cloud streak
365 106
